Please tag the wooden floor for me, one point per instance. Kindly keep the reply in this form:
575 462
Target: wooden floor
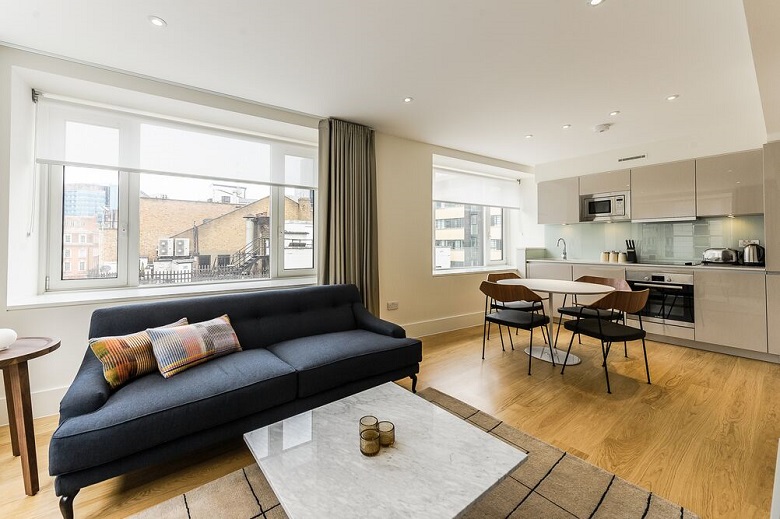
704 434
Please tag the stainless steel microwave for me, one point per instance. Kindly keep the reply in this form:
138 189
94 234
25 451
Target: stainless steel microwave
605 207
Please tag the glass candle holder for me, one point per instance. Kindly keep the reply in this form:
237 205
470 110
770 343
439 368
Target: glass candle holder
369 442
368 423
386 433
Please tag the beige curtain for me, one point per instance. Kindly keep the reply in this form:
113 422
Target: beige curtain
347 197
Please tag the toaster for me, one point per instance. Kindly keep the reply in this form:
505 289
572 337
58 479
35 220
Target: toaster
720 256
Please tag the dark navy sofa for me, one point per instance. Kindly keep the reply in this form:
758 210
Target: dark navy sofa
302 348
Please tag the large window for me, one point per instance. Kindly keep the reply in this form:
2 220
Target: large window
144 201
470 212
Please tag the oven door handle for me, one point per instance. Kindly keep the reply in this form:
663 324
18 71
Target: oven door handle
652 285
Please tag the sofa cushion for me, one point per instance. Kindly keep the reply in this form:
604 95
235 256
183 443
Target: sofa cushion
128 356
330 360
183 347
153 410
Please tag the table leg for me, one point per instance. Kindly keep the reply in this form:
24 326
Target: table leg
20 391
543 352
9 401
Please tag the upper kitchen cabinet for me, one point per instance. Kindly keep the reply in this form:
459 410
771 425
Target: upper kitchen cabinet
609 182
664 191
772 205
559 201
731 184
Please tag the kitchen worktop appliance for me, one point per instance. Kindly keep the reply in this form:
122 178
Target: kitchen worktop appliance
727 256
753 255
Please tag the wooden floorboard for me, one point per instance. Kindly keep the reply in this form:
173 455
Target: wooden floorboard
704 434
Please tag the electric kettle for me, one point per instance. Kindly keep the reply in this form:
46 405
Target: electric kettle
753 255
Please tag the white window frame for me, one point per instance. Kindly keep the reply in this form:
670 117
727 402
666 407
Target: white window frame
485 245
128 226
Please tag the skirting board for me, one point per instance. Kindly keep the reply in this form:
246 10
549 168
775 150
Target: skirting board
445 324
45 403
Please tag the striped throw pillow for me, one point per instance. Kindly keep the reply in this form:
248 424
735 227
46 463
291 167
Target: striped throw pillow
128 356
177 349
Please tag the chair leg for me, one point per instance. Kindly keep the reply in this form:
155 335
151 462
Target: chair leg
511 343
647 367
501 334
485 326
566 358
605 352
530 350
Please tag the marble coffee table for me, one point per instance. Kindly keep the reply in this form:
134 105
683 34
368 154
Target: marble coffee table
438 466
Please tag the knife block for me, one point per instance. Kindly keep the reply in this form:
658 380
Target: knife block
631 255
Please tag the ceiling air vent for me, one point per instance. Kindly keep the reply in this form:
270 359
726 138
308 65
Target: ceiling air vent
635 157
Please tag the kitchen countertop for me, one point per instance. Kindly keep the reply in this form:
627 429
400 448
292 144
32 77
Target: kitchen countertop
709 266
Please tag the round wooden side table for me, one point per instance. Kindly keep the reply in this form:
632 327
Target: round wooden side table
13 362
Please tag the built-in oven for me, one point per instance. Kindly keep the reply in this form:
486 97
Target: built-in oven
671 296
607 207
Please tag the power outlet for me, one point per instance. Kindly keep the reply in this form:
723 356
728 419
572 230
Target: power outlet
392 305
745 243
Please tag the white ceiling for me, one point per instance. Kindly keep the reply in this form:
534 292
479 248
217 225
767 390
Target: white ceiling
483 74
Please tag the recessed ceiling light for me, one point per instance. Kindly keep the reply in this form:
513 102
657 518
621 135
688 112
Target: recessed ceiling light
614 112
157 21
566 126
408 99
672 97
594 3
529 136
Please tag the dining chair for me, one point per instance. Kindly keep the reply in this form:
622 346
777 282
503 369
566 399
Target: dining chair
526 306
511 318
608 331
577 309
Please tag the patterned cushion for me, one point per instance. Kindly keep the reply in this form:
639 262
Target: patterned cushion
126 357
177 349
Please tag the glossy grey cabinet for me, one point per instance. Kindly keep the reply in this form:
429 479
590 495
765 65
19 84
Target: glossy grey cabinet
731 184
730 308
664 191
608 182
559 201
772 205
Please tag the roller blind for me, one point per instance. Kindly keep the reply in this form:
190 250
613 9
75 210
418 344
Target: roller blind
473 188
83 135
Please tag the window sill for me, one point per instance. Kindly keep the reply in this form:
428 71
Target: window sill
473 270
119 295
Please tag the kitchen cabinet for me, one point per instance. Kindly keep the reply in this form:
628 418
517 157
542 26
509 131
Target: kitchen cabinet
664 191
730 309
609 182
731 184
772 205
559 201
773 312
560 270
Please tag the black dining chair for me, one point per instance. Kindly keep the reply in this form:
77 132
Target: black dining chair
582 310
608 331
526 306
511 318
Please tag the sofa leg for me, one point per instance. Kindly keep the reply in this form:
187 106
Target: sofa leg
66 505
414 383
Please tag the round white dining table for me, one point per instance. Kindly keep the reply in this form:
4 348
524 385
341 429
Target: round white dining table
550 287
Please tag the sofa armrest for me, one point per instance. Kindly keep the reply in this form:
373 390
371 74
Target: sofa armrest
89 390
367 321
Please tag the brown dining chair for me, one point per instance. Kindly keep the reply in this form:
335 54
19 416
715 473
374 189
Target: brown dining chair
577 309
526 306
608 331
509 317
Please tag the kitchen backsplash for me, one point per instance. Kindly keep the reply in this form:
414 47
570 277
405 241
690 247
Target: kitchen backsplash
655 242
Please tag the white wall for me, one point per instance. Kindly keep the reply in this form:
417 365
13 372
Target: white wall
428 303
